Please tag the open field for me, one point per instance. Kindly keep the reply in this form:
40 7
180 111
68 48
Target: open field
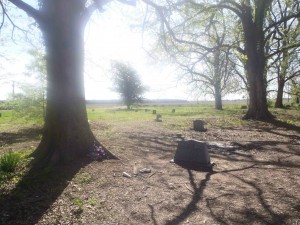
256 179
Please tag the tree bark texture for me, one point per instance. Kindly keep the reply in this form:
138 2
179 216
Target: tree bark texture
67 134
255 66
218 101
282 73
217 80
279 97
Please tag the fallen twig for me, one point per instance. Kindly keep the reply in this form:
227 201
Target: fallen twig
152 174
189 188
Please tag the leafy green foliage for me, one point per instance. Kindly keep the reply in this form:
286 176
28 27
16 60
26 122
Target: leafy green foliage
9 162
295 90
30 102
270 103
127 83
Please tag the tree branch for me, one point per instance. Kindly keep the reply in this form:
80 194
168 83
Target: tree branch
297 15
283 49
236 8
34 13
159 10
3 15
98 4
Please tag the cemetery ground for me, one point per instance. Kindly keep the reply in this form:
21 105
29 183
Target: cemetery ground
255 180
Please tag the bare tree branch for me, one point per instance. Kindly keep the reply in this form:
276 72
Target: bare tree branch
34 13
159 10
297 15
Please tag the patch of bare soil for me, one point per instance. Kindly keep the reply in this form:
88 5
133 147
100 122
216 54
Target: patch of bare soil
256 180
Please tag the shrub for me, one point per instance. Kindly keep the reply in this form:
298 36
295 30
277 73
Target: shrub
9 162
270 103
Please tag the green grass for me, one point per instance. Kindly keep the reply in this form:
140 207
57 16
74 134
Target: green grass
182 112
12 165
9 162
231 115
8 121
6 116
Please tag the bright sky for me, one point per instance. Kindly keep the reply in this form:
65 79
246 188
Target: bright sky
108 37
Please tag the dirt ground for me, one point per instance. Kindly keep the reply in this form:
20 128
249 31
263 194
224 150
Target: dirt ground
256 179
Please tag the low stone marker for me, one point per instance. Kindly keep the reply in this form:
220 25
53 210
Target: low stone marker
193 154
154 112
199 125
158 118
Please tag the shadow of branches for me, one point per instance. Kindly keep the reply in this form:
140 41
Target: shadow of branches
285 125
23 135
35 193
197 195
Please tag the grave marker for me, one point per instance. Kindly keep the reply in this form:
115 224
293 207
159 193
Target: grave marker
199 125
193 154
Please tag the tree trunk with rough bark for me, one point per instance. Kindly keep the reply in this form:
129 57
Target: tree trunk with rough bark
279 97
217 80
255 66
67 135
218 98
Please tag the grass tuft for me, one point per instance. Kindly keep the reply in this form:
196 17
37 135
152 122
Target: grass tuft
9 162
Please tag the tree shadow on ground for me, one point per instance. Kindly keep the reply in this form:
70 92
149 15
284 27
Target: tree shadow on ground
241 153
35 193
23 135
197 190
197 195
285 125
222 209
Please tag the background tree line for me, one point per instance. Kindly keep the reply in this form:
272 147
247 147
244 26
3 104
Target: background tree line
229 45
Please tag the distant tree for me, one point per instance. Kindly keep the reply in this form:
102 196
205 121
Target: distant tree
30 102
128 84
252 15
295 90
284 64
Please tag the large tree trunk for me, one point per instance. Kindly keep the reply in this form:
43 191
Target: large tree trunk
255 66
67 134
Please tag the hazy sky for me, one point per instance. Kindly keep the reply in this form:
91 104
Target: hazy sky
109 36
